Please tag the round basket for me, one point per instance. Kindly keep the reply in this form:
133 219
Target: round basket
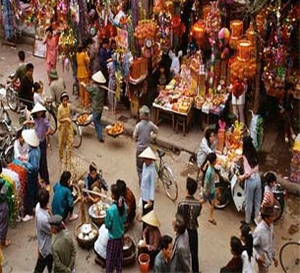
86 243
96 219
84 119
109 132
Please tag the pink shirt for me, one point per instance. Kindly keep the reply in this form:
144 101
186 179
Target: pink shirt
247 167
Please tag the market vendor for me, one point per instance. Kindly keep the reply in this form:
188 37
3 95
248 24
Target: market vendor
21 148
95 182
207 145
129 199
100 246
151 236
32 166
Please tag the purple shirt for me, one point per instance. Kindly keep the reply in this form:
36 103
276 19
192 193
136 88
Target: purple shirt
41 126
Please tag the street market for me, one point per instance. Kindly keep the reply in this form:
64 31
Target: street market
225 67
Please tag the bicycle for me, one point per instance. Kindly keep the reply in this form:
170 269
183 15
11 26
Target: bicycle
289 257
165 175
3 112
7 138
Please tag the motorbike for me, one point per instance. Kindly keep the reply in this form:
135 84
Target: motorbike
228 188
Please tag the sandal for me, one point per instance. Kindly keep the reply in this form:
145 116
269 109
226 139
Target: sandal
213 222
6 243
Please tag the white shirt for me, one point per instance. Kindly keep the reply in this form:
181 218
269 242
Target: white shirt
38 98
101 243
21 152
248 266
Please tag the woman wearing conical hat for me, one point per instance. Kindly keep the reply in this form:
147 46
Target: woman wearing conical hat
151 236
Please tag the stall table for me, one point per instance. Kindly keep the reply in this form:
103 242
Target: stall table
177 118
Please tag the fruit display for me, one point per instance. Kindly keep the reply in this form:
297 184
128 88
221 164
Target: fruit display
99 209
115 129
145 29
84 119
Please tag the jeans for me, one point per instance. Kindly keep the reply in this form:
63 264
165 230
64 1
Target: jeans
42 263
253 196
97 123
44 174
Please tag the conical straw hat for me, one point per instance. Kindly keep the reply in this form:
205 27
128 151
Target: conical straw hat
31 137
98 77
151 219
148 153
38 108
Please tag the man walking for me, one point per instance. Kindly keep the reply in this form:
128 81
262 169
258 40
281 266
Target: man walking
181 260
263 240
25 93
97 93
43 232
142 135
63 248
190 208
57 86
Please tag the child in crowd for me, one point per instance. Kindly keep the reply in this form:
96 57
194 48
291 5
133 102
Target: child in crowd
62 203
95 182
65 130
20 147
38 93
209 186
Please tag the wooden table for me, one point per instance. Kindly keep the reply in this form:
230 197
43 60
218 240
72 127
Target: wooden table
177 118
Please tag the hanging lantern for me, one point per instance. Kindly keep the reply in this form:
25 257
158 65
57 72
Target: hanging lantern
244 50
198 32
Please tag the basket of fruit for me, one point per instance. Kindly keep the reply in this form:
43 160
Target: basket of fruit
84 119
97 212
115 129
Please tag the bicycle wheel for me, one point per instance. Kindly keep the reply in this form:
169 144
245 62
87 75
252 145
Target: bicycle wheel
289 257
50 115
169 183
278 210
9 154
12 99
222 195
77 134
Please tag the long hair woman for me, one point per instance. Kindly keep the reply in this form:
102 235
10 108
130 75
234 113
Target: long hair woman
114 222
247 254
252 179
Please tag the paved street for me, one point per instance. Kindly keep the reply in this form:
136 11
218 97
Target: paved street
116 158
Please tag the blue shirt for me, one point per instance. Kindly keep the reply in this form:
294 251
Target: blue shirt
62 200
209 179
33 162
148 182
114 222
41 126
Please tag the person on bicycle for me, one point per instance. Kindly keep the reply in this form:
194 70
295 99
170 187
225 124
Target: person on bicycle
25 92
142 135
